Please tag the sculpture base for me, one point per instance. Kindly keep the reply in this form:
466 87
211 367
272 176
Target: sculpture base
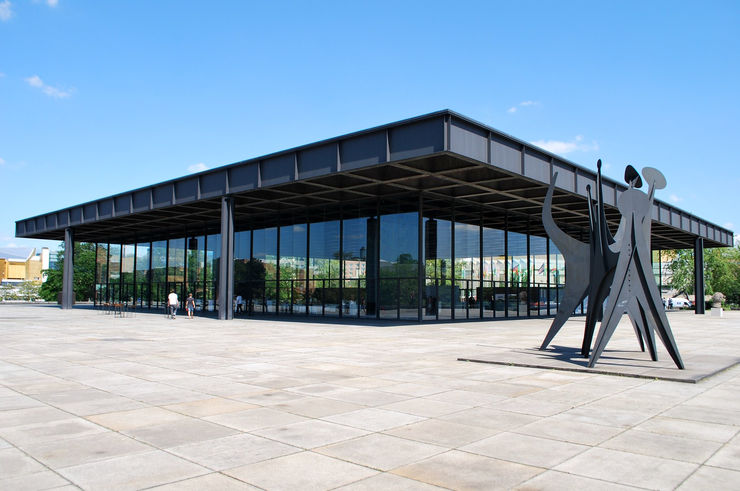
717 312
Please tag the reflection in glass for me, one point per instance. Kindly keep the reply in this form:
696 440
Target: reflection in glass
359 262
127 273
538 274
438 269
114 272
264 244
557 277
518 274
293 240
142 274
247 281
213 264
467 270
159 274
196 264
494 272
399 259
176 268
323 272
101 274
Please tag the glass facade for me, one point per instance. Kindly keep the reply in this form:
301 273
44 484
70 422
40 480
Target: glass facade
390 265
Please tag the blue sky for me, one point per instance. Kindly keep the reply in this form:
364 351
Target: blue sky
98 98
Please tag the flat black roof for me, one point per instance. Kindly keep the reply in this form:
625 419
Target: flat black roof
455 163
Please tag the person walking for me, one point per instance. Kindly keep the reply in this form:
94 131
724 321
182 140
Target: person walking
190 305
172 301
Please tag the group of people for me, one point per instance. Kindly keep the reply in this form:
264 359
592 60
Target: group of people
173 303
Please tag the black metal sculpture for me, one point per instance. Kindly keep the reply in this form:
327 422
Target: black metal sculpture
613 269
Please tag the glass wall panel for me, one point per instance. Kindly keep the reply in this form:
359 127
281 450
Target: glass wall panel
114 272
359 262
557 277
143 275
213 264
324 275
518 274
467 270
101 274
196 265
264 243
399 260
249 275
128 286
159 274
176 268
438 269
538 274
494 267
293 243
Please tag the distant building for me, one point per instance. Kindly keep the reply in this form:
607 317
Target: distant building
18 264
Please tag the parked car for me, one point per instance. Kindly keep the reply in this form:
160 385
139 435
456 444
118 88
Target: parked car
681 303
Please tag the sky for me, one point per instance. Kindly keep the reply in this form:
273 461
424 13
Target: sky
98 98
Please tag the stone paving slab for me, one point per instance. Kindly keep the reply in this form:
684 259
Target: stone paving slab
612 362
703 360
88 401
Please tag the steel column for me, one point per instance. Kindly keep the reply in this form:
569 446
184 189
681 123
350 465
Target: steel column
699 275
226 266
68 291
421 272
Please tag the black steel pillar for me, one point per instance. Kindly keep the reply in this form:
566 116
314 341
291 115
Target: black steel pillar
68 291
226 266
699 275
421 271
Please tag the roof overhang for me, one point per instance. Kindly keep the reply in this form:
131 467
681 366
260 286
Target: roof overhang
453 164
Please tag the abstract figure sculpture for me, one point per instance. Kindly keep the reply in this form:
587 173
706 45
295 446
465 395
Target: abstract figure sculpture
613 269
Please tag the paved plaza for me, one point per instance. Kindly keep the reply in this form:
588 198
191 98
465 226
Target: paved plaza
92 401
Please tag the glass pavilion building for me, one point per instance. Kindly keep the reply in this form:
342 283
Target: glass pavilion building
435 217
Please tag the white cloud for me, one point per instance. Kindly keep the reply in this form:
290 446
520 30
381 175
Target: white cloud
2 161
199 167
562 147
674 198
2 74
5 10
729 225
52 3
35 81
514 109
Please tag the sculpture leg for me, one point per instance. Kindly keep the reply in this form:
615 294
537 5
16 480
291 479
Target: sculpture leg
654 306
646 326
570 301
638 332
608 325
595 310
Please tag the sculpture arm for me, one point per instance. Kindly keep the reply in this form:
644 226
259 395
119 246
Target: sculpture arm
562 240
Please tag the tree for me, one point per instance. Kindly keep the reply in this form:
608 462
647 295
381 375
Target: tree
721 272
28 290
84 273
682 271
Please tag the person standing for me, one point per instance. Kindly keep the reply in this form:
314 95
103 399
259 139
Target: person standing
172 301
190 305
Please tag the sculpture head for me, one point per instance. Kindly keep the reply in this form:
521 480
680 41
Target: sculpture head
632 177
